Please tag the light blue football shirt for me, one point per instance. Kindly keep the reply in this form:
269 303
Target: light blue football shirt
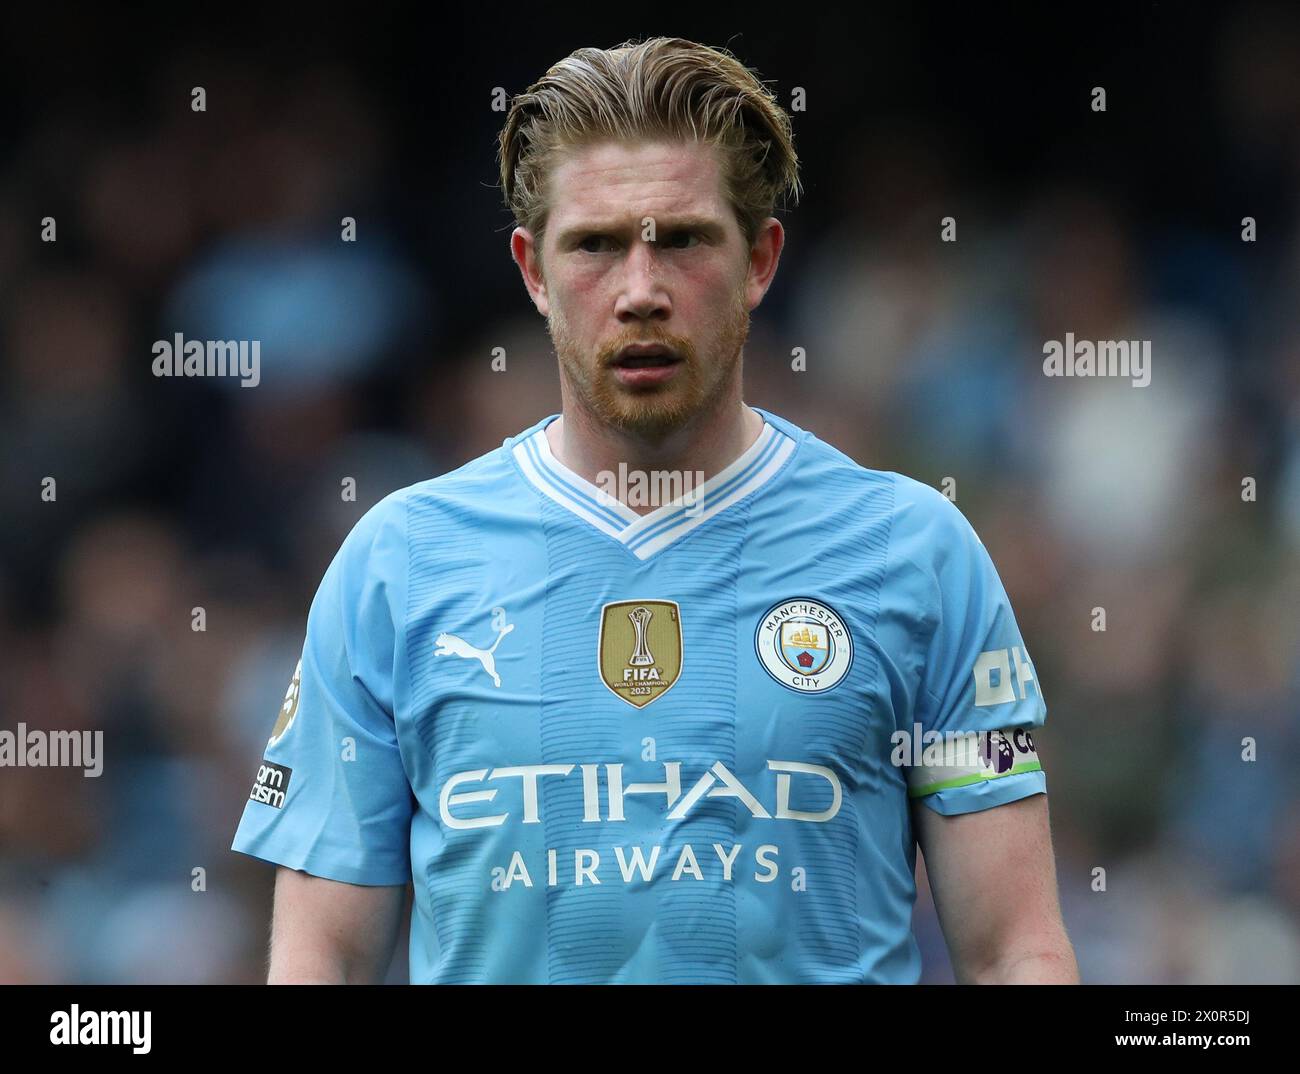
611 747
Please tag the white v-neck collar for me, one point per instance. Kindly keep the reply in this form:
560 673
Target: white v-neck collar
644 535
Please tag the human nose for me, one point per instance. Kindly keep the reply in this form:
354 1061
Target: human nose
642 294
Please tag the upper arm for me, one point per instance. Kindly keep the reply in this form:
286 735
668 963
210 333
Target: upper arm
993 878
979 807
332 796
327 931
972 667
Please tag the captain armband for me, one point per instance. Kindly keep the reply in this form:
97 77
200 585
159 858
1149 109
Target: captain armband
939 762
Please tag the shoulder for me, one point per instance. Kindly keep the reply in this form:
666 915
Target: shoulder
911 504
478 481
921 510
820 471
920 524
486 484
433 508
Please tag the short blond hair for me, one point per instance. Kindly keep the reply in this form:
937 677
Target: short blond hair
665 88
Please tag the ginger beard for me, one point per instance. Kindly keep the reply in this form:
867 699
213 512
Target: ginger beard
703 379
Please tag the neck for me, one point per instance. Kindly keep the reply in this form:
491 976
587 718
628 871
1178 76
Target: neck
707 444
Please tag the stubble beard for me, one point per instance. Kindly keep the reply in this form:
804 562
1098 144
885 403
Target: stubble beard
699 388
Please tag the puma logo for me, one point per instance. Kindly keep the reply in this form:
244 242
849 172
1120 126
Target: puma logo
450 645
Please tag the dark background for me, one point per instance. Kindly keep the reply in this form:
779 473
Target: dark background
923 357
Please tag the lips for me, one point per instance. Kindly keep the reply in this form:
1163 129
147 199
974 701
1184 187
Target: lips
645 356
645 366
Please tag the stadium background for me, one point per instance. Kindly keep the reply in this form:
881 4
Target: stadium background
923 357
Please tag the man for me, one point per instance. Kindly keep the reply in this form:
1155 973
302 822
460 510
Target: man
612 741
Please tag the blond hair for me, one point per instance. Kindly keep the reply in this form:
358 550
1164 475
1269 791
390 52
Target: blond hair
665 88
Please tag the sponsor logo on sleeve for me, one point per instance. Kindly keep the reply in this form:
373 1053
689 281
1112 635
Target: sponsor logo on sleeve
998 673
939 762
272 785
288 708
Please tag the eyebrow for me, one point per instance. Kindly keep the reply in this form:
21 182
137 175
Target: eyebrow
667 224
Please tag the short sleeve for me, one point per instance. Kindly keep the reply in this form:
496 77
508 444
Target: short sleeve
331 796
978 698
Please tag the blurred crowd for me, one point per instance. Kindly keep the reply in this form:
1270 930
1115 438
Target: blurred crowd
1178 860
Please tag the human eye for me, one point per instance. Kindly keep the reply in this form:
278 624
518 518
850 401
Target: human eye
595 244
681 240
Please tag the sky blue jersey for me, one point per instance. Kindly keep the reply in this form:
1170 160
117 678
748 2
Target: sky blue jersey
678 747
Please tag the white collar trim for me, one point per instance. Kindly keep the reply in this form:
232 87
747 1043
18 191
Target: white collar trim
644 535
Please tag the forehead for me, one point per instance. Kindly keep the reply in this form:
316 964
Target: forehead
612 180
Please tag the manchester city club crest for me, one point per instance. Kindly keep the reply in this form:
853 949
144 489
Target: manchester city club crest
804 645
639 653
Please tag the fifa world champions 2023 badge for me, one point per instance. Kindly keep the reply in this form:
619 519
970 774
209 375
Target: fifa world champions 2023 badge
639 649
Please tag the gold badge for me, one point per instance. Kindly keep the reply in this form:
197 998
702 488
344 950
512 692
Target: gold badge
289 708
640 648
